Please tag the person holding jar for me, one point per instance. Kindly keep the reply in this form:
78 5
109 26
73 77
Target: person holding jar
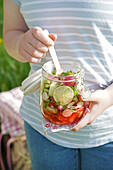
85 35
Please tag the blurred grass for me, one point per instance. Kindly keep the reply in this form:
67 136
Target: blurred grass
12 72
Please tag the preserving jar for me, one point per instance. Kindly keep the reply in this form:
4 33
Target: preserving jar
61 95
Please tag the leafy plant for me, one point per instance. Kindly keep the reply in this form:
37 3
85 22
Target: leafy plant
12 72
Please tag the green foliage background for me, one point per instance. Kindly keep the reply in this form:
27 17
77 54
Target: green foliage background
12 72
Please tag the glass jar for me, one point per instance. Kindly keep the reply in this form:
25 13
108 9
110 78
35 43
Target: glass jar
61 95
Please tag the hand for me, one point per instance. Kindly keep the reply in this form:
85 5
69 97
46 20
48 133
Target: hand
99 102
34 44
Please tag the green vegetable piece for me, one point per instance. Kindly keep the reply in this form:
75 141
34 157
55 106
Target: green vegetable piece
75 98
45 96
47 85
53 86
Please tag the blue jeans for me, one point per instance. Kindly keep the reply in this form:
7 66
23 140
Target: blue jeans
46 155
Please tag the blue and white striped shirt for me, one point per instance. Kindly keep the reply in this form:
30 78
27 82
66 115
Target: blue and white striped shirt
85 34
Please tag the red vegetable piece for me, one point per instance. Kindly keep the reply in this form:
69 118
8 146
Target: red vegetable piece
76 115
80 112
73 118
67 113
46 112
67 78
62 118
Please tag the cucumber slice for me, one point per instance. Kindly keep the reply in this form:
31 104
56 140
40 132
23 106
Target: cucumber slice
53 86
45 96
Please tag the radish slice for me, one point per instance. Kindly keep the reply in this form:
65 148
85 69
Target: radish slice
45 96
80 104
70 104
60 107
67 113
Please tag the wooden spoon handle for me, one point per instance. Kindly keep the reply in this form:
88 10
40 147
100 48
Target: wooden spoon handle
54 56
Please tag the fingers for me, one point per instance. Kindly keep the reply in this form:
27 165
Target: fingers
29 58
39 34
31 54
39 46
53 36
82 123
33 51
85 120
93 112
35 44
97 105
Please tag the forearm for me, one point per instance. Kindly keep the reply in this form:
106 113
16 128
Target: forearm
109 95
22 43
12 41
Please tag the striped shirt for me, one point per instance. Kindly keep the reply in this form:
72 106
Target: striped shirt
85 34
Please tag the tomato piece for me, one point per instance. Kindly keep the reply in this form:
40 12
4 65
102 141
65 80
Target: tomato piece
62 118
76 115
46 112
73 118
67 78
52 121
80 112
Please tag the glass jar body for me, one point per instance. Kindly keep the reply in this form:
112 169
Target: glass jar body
61 95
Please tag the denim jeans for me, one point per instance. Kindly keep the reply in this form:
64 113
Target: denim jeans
45 155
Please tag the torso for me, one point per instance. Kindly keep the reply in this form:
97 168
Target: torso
85 34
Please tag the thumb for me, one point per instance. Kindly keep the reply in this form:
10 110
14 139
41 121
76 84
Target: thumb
53 36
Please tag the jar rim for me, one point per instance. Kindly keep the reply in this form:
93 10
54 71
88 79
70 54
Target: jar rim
51 77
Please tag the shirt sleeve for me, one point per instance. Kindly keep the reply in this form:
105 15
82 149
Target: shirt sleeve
18 2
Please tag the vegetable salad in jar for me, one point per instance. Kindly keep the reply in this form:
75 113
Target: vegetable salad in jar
61 100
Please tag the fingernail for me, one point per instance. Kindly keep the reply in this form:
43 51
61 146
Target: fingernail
38 54
52 43
35 60
45 49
